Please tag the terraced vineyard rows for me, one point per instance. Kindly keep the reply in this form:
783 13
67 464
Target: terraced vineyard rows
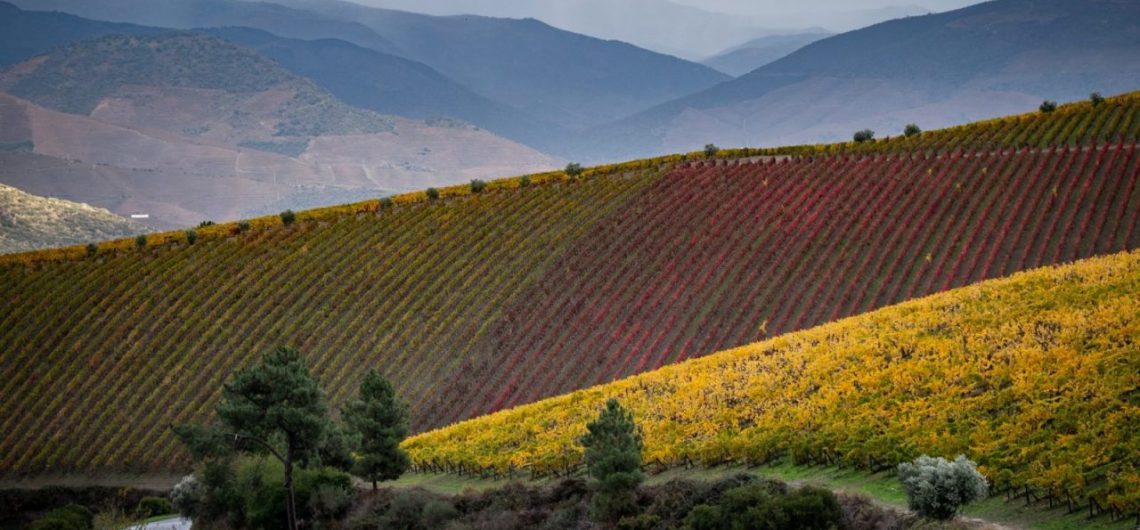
476 302
715 256
130 344
1033 376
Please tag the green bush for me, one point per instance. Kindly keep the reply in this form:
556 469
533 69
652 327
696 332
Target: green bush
140 241
204 224
911 130
937 488
153 507
186 496
387 203
613 457
711 150
92 250
70 517
573 169
524 181
432 193
477 186
1096 99
191 236
1048 106
767 506
288 217
865 135
243 226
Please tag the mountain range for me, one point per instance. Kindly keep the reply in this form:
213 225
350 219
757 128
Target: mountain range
936 70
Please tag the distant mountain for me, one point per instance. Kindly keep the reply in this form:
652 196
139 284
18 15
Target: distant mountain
24 34
389 84
28 222
359 76
187 127
744 58
651 24
187 14
560 77
986 60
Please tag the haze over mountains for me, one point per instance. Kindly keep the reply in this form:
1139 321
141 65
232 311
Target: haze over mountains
991 59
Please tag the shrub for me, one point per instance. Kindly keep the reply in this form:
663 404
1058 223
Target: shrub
865 135
911 130
186 497
711 150
432 193
206 223
70 517
769 503
1096 99
288 217
1048 106
937 488
153 507
92 250
387 203
641 522
140 241
524 181
243 226
477 186
191 236
573 169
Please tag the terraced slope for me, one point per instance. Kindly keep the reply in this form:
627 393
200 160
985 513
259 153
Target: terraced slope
475 302
1036 376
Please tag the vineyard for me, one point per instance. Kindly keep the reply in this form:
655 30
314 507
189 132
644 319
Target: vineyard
477 301
1036 377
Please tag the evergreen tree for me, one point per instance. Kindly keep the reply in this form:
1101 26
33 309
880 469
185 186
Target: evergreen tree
613 457
380 421
275 407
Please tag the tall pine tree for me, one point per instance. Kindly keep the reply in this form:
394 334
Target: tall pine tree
380 421
275 407
613 457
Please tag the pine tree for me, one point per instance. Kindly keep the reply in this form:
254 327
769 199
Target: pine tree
380 421
613 457
275 407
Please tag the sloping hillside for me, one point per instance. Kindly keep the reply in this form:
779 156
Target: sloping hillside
224 131
1035 377
474 302
570 80
28 222
744 58
990 59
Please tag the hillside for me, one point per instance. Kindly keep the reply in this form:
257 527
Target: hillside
557 77
359 76
744 58
476 302
1035 377
28 222
990 59
223 133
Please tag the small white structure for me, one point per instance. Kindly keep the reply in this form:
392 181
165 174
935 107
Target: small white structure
140 216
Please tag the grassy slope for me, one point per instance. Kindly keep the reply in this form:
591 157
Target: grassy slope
437 293
1034 376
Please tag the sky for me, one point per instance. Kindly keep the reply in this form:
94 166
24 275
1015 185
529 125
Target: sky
692 29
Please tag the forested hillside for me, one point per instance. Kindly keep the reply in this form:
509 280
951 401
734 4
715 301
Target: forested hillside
476 298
